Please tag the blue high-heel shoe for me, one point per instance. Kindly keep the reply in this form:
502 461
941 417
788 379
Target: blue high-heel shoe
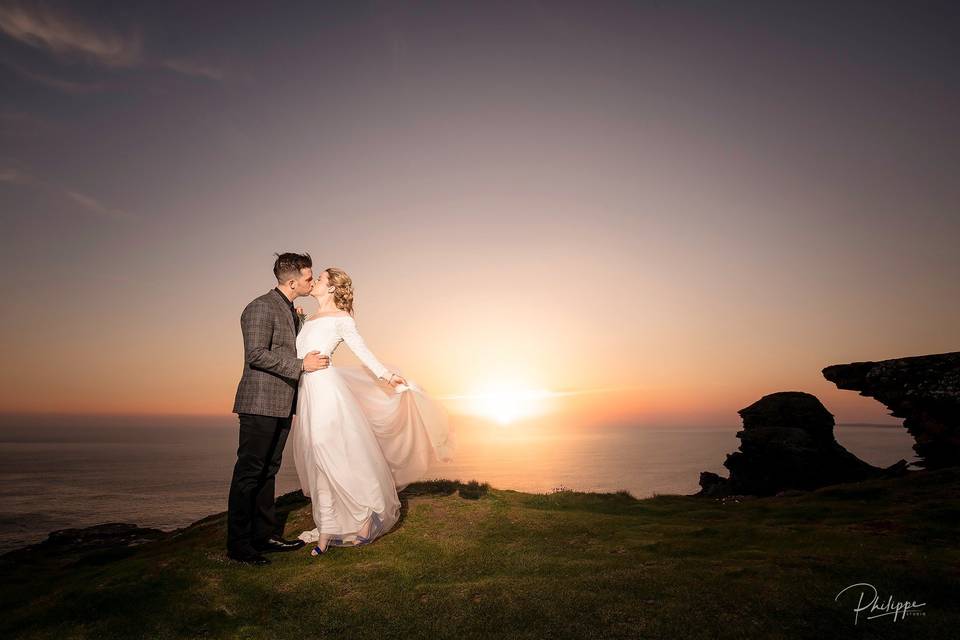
317 551
374 525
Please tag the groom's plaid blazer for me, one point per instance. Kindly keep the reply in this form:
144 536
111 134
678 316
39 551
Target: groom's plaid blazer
271 368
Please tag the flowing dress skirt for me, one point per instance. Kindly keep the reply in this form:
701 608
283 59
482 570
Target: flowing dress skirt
356 442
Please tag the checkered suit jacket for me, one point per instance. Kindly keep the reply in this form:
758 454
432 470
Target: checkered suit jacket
271 368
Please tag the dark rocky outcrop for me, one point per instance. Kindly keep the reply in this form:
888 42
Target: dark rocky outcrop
77 543
787 442
923 390
713 485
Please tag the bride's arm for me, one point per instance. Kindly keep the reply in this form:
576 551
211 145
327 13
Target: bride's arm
347 329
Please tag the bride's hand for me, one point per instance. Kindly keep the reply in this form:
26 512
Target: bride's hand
396 380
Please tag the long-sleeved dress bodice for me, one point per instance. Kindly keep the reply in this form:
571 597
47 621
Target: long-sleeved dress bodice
324 334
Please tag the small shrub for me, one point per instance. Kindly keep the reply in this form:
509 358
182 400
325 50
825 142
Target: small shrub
473 490
432 487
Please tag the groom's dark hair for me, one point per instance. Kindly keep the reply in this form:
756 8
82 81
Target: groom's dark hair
288 265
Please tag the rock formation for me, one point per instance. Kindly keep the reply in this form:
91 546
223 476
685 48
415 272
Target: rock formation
923 390
75 543
787 443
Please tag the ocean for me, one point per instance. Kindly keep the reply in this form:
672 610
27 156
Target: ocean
166 472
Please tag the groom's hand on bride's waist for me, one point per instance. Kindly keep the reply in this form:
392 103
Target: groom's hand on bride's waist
313 361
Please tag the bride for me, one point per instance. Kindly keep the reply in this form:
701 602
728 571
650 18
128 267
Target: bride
358 437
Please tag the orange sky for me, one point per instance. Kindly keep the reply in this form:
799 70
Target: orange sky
622 196
687 352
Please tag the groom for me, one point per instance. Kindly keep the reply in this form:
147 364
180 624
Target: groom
265 403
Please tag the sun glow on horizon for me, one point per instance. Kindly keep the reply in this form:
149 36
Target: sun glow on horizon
509 405
505 404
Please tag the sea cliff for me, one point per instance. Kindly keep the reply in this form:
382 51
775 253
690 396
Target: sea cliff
517 565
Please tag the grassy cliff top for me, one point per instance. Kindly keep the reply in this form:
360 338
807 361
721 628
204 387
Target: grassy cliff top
518 565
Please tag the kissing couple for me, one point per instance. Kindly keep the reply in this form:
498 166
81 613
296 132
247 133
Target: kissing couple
359 434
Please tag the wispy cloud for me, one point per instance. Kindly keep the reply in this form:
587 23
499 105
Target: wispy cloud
15 176
87 203
44 28
71 39
66 86
193 68
539 393
93 205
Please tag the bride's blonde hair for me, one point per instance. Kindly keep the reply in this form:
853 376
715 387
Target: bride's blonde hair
343 288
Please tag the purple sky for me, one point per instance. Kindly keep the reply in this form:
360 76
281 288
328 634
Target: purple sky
706 202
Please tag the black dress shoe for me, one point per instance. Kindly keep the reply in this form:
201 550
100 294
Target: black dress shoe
279 544
249 558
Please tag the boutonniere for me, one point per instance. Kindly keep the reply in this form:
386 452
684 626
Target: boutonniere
301 314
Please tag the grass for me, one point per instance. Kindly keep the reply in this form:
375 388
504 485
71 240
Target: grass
506 564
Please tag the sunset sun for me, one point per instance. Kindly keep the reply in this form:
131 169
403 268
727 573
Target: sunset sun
506 405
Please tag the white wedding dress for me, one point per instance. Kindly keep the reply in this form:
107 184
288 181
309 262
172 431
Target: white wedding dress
356 441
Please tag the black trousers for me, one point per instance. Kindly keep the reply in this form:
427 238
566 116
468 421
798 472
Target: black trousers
251 513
